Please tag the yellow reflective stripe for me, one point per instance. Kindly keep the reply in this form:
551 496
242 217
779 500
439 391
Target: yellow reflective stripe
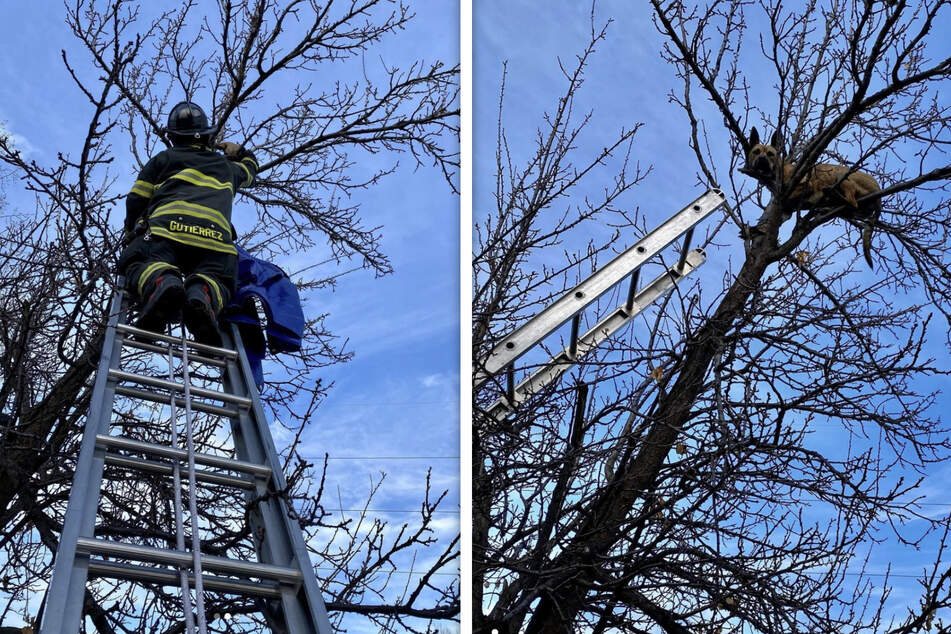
194 241
253 162
149 270
194 210
214 285
143 189
195 177
248 172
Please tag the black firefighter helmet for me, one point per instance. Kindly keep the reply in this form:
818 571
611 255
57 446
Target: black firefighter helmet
188 120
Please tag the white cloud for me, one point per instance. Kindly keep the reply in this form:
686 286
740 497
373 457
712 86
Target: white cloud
441 380
19 141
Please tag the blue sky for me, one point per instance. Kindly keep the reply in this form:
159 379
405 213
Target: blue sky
394 408
626 82
399 396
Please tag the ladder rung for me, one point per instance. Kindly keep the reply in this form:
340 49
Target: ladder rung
145 395
129 444
138 332
135 552
170 577
164 468
151 347
172 386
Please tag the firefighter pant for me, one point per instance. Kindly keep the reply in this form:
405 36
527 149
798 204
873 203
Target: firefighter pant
147 257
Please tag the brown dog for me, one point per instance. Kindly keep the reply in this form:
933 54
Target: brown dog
823 186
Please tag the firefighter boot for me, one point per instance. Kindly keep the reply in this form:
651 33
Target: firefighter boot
163 304
199 315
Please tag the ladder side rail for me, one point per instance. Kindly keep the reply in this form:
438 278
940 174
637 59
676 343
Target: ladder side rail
265 526
252 452
67 588
177 498
552 370
551 318
192 493
283 535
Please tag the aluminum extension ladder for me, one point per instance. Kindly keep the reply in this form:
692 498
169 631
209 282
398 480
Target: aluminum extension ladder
571 305
283 575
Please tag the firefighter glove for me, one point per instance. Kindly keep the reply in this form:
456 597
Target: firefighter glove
231 150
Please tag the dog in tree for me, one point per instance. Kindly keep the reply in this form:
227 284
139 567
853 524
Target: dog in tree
823 186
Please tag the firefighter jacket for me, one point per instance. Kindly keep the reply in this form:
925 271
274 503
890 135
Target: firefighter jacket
185 193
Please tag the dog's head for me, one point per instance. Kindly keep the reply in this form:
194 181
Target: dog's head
763 161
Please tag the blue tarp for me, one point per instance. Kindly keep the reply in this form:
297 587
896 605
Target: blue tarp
278 295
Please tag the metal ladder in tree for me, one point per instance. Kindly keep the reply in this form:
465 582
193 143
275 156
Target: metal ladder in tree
283 575
571 305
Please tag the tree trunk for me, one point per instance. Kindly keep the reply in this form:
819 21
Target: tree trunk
600 531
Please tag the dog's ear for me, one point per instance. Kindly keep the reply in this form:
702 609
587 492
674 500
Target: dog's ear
776 141
754 136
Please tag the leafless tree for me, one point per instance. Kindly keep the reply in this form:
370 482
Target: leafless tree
686 492
258 60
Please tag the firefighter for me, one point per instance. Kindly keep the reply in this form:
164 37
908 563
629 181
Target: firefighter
180 257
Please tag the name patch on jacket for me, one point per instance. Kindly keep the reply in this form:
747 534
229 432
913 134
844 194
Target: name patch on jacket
205 232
